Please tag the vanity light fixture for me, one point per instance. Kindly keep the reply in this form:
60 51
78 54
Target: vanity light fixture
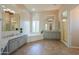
50 20
64 20
9 10
12 11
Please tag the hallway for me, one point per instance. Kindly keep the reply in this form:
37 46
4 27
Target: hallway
46 47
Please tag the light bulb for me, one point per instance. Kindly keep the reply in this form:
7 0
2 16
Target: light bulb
64 20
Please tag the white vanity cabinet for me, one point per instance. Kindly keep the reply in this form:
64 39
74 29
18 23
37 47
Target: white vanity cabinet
22 40
55 35
14 44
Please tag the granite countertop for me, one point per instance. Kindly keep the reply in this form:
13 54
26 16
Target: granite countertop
51 31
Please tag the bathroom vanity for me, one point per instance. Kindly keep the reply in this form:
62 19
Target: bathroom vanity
11 37
10 44
51 35
52 28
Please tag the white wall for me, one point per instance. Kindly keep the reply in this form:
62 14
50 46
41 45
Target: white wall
74 26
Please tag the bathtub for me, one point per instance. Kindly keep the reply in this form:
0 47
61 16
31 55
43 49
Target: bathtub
34 37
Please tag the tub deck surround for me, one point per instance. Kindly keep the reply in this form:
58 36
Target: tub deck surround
34 37
4 41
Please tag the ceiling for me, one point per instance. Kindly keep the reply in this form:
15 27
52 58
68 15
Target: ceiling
37 7
42 7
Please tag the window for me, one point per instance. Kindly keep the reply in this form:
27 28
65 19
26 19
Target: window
46 26
26 26
35 26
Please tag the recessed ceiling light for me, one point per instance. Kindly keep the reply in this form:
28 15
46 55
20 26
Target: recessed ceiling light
33 9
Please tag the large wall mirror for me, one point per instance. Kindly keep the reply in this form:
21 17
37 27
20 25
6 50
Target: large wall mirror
64 25
11 21
50 24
